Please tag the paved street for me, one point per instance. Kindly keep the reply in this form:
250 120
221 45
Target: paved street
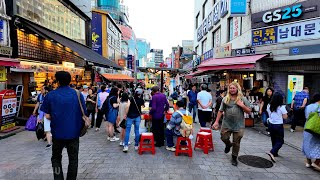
23 157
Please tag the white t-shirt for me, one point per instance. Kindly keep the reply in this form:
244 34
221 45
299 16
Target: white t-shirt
204 97
85 95
276 117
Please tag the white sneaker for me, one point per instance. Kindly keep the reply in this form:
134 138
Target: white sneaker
97 129
121 143
308 165
136 148
171 149
125 149
114 139
108 138
291 130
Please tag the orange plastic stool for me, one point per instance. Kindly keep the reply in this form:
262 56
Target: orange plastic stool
188 147
204 142
143 147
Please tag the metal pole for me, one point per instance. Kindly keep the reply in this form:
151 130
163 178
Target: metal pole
161 83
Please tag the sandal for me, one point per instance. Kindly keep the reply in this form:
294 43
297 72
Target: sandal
271 157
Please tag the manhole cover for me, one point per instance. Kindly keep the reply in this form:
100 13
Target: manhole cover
255 161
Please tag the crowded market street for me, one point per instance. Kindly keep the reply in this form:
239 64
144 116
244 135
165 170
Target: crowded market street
25 158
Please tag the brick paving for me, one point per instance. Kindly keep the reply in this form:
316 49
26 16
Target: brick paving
23 157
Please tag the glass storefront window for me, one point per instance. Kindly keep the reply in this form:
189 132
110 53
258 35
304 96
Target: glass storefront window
53 15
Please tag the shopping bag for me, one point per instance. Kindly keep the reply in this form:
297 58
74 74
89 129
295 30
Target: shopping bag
40 131
313 124
31 123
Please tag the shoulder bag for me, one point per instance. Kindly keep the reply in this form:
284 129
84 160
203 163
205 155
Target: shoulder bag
87 122
313 123
142 116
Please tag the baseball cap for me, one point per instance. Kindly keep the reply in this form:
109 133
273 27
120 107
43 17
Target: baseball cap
85 86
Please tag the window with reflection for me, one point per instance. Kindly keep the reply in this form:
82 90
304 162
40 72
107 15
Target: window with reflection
53 15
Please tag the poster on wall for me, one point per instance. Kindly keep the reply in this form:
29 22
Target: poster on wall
295 85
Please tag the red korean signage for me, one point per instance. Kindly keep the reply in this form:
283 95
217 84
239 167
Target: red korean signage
8 104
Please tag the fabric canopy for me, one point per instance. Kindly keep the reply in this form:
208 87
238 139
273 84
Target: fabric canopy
189 76
118 77
242 62
85 52
9 62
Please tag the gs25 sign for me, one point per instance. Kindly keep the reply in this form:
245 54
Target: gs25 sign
282 14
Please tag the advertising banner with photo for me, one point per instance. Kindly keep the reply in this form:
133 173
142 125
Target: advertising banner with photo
295 85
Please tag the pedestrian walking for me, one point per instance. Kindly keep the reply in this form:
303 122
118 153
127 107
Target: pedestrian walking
91 105
101 97
192 98
221 95
62 108
41 115
263 106
134 117
110 109
159 106
277 113
298 105
204 100
233 106
85 91
311 143
123 110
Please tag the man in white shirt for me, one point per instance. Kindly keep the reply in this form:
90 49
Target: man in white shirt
204 100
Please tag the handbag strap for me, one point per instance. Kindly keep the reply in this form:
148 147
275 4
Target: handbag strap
136 105
78 94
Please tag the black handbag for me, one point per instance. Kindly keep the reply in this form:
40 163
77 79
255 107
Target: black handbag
123 124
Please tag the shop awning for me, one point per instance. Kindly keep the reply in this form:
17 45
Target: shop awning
85 52
118 77
189 76
9 62
242 62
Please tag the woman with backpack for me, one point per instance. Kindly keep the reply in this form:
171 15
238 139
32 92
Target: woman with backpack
277 113
174 125
110 108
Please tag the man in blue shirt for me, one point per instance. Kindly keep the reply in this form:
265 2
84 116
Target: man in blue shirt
192 96
298 106
63 109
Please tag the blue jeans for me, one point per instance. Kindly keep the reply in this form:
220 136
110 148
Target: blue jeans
277 135
264 117
193 110
169 138
136 122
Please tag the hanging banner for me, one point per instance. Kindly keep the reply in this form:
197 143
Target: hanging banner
96 33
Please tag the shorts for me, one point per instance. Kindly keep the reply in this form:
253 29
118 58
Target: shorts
47 127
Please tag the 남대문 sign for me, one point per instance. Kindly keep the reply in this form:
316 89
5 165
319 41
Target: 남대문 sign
287 33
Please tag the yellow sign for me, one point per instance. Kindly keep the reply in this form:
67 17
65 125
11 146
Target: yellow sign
68 64
8 126
3 76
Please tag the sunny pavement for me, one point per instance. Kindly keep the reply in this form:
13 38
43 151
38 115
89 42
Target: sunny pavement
23 157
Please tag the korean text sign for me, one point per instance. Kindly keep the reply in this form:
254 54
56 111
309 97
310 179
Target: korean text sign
264 36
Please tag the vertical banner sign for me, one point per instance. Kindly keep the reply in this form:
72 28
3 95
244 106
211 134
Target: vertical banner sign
129 63
8 101
96 33
224 8
238 8
295 85
216 14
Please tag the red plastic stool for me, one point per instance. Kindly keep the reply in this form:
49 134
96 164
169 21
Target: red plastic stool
150 146
204 142
187 148
205 129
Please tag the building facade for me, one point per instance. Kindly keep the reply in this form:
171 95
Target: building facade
158 56
143 49
256 45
